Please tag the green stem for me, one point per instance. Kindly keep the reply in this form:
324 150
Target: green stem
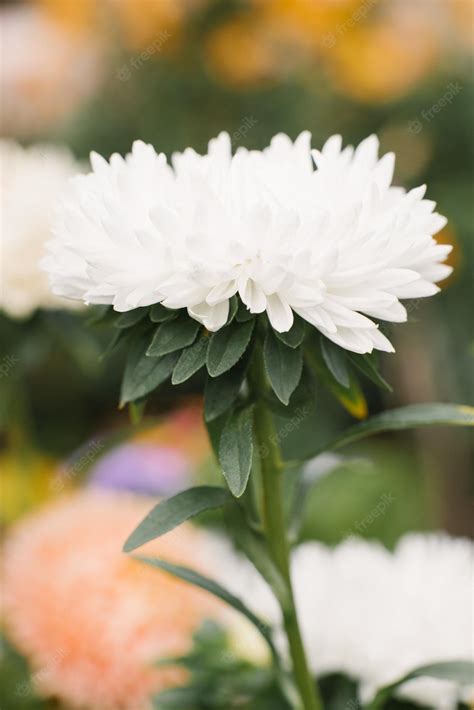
276 534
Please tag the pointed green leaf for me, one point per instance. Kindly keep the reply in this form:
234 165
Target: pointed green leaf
409 417
142 373
221 392
352 398
173 335
227 346
191 360
209 585
295 336
236 450
214 431
159 314
243 314
233 308
461 672
283 365
129 318
98 313
117 339
170 513
335 359
366 365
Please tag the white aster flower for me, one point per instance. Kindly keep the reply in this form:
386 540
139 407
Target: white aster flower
337 244
376 615
31 180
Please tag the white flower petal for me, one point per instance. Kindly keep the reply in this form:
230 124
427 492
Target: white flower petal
337 244
212 317
279 313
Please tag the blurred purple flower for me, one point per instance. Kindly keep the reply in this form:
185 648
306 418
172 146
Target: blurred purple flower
142 468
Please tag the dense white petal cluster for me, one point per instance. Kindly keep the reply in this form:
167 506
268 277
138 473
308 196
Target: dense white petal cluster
31 181
376 615
289 229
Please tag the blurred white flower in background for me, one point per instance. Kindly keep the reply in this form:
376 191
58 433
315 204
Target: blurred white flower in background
376 615
330 244
30 182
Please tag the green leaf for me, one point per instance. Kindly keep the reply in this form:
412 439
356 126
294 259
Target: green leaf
98 313
170 513
173 335
236 450
352 398
129 318
209 585
284 366
215 427
142 373
335 359
243 314
227 346
233 308
117 339
190 361
461 672
221 392
412 416
366 365
160 314
295 336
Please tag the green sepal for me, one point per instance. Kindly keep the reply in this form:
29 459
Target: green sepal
295 336
98 313
191 360
233 308
283 366
243 314
131 318
336 362
160 314
220 393
143 373
118 338
368 366
352 398
173 335
227 346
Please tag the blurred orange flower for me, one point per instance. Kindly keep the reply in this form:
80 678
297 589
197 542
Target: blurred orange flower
379 62
242 52
136 23
90 619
